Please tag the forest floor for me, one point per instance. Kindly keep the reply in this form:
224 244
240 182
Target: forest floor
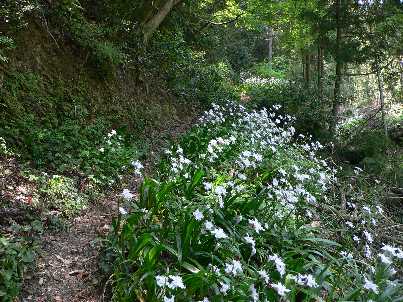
67 267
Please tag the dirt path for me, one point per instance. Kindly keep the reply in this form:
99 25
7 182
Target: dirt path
67 267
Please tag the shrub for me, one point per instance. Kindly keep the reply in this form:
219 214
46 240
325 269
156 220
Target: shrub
61 193
243 212
265 70
6 43
17 253
14 257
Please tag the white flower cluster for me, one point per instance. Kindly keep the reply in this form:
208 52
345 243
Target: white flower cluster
305 280
170 281
249 79
178 161
234 268
138 166
216 146
254 160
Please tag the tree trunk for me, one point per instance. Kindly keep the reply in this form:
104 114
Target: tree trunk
401 78
307 69
381 97
337 83
320 71
154 22
270 36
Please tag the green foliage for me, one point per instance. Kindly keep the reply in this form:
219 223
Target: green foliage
17 253
104 54
369 148
49 124
6 44
87 150
61 193
265 70
4 150
188 72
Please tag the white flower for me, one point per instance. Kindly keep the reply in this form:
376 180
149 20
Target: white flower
263 274
171 299
305 280
379 209
368 236
204 300
176 282
219 233
398 253
102 150
198 215
234 268
254 294
224 288
369 285
350 224
367 251
126 194
207 186
220 202
242 176
394 251
208 225
280 265
137 165
385 259
161 281
250 240
256 225
258 157
122 211
366 209
214 269
112 133
356 239
388 248
220 190
347 256
280 288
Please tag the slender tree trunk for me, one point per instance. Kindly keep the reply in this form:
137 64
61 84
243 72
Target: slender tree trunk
270 36
320 71
381 96
307 69
337 83
401 77
151 25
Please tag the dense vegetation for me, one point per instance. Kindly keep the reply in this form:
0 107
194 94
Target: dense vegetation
289 185
243 211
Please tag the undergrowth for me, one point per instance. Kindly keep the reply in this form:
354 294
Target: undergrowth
243 210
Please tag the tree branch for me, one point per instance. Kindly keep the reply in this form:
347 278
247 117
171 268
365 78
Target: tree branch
210 22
